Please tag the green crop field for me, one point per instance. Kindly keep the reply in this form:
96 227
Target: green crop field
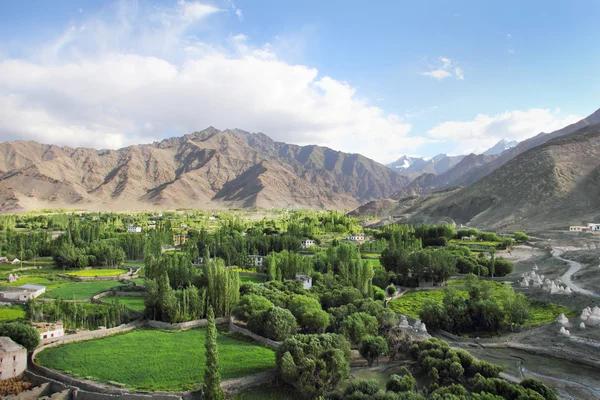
133 263
156 360
373 261
135 303
252 279
97 272
82 290
11 313
411 303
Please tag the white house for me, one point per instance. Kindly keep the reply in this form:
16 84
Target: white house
3 260
21 293
134 229
257 260
13 358
49 330
577 228
16 261
306 281
307 243
356 237
593 227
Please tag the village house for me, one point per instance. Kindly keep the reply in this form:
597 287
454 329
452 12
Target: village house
306 281
13 358
3 260
257 261
469 238
151 224
134 229
21 293
49 330
593 227
307 243
16 261
577 228
356 237
179 239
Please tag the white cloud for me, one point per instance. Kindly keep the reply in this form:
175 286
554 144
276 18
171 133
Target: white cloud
95 91
194 10
438 74
446 68
484 131
511 51
239 14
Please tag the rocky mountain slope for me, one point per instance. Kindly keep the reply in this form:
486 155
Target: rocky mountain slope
553 185
207 169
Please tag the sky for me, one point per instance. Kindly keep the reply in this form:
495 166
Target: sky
381 78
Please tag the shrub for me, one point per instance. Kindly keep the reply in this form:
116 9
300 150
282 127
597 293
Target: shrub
378 293
23 334
503 267
401 383
521 237
391 290
538 386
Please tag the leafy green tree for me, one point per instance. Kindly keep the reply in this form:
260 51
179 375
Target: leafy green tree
275 323
309 314
516 306
503 267
316 363
538 386
356 326
25 335
249 305
373 347
212 377
521 237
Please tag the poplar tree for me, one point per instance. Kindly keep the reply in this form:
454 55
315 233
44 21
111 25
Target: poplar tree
212 377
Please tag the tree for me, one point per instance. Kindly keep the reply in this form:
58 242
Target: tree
391 290
356 326
249 305
538 386
275 323
503 267
212 377
373 347
25 335
308 313
315 363
516 307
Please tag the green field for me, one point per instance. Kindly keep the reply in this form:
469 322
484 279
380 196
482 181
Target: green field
252 279
373 261
135 303
82 290
411 303
267 393
97 272
11 313
156 360
133 263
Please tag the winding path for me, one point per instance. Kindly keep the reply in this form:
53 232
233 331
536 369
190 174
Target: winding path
574 267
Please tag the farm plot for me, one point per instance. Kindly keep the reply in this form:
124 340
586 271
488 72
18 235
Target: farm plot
148 359
97 272
135 303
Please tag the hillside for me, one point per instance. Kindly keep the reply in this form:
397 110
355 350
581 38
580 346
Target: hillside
207 169
553 185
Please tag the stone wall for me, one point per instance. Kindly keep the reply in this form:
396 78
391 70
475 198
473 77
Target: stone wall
199 323
50 342
242 331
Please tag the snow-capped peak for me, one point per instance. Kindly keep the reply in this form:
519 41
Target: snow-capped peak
499 147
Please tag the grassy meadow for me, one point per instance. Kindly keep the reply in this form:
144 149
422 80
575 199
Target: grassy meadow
11 313
411 303
155 360
97 272
135 303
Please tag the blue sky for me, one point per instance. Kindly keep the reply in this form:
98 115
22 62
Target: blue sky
380 78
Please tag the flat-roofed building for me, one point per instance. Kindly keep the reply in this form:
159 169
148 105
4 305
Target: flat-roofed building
13 358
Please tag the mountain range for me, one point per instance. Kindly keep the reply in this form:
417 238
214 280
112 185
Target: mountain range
549 181
207 169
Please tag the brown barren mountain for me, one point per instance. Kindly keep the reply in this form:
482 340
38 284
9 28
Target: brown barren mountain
553 185
207 169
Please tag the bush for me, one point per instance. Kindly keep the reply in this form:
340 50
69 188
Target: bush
378 293
391 290
356 326
25 335
275 323
538 386
401 383
521 237
503 267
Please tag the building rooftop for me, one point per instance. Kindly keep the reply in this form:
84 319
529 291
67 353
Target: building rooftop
46 326
33 287
7 345
7 289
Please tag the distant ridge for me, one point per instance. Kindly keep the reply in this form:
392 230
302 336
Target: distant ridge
206 169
